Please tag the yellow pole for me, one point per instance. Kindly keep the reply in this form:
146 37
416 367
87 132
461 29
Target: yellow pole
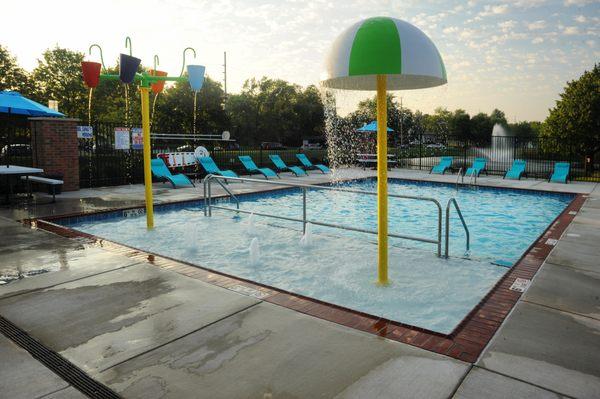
145 95
382 193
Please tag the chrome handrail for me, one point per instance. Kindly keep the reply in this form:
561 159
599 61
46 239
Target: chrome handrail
460 176
305 187
462 219
232 195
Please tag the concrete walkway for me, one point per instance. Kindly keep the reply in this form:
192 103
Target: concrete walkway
549 346
146 332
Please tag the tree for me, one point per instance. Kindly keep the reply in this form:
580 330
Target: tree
459 124
58 77
498 117
574 123
481 128
174 110
12 76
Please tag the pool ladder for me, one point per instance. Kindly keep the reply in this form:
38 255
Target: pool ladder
209 206
472 179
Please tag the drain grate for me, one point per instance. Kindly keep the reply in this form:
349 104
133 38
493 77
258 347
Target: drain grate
55 362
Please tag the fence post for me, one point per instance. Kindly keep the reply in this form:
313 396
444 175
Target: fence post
420 150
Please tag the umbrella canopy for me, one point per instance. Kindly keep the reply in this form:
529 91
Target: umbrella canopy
12 102
371 127
384 46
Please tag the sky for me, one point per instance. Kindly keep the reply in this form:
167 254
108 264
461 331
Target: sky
515 55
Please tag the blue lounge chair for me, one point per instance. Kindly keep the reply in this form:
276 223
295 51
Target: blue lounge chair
440 168
282 167
477 168
309 165
517 170
251 167
211 167
160 170
561 172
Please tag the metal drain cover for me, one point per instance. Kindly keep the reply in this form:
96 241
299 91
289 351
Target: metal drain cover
520 285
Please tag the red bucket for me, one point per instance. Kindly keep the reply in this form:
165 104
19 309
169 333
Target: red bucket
91 73
159 86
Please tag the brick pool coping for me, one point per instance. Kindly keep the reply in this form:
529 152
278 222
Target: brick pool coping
465 342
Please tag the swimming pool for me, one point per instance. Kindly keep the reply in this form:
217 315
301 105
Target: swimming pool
339 266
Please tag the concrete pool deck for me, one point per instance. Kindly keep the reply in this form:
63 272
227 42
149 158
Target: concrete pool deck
145 331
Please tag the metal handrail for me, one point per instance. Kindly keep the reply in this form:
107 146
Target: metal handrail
459 176
305 187
473 179
232 195
462 219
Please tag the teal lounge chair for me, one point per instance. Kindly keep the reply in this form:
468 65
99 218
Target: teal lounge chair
561 172
309 165
251 167
282 167
160 170
477 168
440 168
517 170
211 168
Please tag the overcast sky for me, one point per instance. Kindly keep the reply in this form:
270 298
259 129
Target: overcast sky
514 55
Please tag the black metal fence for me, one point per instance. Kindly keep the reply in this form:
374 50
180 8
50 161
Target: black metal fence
101 164
541 154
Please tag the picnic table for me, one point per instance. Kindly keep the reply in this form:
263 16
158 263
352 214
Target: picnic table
371 159
11 171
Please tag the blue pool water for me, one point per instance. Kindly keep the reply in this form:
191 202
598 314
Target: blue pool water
340 266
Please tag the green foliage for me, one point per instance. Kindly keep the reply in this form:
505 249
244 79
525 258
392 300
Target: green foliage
13 77
574 123
58 77
275 110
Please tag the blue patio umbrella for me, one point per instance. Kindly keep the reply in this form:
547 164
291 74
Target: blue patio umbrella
13 103
371 127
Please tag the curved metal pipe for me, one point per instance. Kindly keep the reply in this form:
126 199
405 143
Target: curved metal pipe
128 44
184 51
101 56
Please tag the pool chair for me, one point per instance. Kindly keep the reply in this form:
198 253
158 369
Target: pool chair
252 168
440 168
211 167
282 167
561 172
477 168
517 170
309 165
160 170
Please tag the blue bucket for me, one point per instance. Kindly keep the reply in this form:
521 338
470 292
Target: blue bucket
196 76
128 66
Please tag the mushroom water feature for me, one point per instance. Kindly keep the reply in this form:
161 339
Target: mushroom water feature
383 53
128 66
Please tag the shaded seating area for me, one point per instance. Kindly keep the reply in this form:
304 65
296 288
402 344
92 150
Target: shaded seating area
478 167
281 166
162 173
309 165
517 170
560 173
209 165
251 167
444 164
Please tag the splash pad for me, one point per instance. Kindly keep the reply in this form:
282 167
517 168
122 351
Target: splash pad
378 54
153 81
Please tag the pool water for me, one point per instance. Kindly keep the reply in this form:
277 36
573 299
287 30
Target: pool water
340 266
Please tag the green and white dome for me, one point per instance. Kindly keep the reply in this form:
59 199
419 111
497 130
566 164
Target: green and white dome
384 46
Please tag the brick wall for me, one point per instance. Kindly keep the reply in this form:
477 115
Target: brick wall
55 148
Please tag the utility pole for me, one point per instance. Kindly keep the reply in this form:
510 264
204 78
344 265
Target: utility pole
225 72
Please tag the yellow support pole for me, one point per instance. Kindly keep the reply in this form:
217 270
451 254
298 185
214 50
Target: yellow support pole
382 191
145 96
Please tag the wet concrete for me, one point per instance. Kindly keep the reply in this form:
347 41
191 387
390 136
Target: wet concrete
549 348
269 351
102 320
21 376
480 384
67 393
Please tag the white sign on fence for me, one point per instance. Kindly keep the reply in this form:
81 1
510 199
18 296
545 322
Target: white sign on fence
85 132
122 138
137 139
